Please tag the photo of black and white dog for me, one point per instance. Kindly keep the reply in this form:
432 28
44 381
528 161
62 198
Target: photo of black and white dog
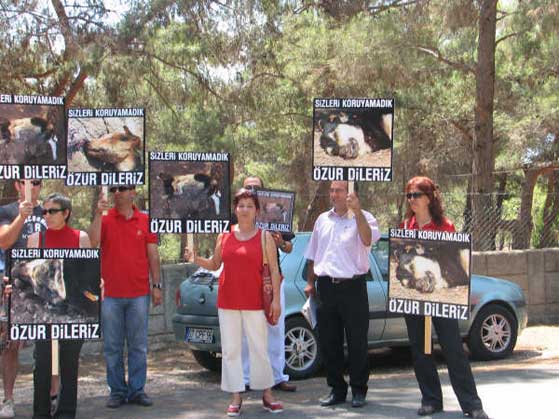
429 270
353 134
189 190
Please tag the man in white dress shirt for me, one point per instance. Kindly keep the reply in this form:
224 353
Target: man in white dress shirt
338 254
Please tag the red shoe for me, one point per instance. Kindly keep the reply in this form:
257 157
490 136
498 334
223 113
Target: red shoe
234 409
274 407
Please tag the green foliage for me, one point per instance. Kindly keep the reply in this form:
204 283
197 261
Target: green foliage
240 76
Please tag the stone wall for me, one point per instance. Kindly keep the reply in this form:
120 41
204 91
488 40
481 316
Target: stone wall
536 271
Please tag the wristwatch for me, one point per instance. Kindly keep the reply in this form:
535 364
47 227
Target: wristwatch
158 285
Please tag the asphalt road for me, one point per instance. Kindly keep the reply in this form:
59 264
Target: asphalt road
523 386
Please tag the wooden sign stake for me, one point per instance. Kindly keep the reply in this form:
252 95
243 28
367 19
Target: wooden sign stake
105 192
427 338
190 242
28 189
54 357
350 189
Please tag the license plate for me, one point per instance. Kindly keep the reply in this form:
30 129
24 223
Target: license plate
197 335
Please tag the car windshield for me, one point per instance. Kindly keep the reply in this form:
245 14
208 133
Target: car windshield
380 254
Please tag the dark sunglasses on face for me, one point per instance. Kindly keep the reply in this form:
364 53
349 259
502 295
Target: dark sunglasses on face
120 189
414 195
52 211
252 188
33 182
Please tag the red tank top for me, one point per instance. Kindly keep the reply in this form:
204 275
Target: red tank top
66 237
240 282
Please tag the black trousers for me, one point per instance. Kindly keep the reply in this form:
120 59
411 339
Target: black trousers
69 356
458 365
344 307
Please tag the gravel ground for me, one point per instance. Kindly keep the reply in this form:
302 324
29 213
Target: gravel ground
179 384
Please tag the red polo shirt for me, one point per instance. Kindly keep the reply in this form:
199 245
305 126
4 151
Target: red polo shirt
124 260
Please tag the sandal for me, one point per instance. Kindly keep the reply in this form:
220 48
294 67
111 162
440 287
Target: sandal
273 407
234 409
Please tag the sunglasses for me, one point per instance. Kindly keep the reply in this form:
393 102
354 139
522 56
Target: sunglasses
33 182
52 211
414 195
120 189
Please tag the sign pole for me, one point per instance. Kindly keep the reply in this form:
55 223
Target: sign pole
190 242
54 357
427 338
105 193
28 188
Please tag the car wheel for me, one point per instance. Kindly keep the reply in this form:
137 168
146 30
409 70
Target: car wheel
302 357
208 360
493 333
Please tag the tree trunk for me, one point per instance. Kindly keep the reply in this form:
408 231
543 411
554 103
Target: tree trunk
501 187
483 153
531 174
549 236
524 231
318 205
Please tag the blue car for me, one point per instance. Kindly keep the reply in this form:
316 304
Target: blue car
498 314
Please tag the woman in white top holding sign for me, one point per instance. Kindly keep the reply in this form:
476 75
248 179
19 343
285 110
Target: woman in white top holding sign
425 212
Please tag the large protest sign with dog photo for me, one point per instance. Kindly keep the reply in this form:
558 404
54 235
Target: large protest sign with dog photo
106 146
276 210
352 139
429 273
189 192
55 294
32 137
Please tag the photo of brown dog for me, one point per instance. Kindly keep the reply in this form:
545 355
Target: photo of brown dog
107 144
32 135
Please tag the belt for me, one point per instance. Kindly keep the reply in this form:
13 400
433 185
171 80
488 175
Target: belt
335 280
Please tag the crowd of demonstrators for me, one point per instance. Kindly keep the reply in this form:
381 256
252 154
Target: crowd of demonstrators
240 302
425 212
276 333
252 349
338 255
63 395
18 220
130 257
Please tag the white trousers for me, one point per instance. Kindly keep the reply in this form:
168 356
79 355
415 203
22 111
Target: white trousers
232 325
276 347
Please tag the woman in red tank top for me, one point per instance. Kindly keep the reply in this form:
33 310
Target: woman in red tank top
425 212
51 396
239 302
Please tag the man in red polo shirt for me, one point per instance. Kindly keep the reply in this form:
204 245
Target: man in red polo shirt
129 257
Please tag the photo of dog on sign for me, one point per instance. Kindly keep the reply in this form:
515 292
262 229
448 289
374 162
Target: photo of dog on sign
189 190
106 144
429 270
48 291
32 134
353 132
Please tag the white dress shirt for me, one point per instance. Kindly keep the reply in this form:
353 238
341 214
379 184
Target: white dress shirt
336 248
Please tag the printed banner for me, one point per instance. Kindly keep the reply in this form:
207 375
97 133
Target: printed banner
352 139
106 146
276 210
429 273
32 137
189 192
55 294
